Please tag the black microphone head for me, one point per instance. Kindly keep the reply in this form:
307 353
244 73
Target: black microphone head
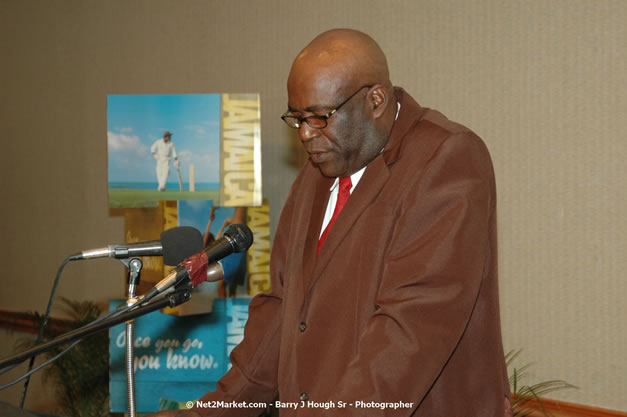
180 243
241 237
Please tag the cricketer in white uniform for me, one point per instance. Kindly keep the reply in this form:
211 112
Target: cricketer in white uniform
163 150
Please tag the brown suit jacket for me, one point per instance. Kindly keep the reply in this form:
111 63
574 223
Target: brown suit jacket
401 305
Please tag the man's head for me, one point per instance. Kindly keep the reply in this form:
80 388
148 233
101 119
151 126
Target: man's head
166 136
347 69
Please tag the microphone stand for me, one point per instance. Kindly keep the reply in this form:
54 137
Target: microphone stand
172 300
134 270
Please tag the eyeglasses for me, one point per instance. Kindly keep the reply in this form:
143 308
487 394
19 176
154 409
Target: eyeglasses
315 121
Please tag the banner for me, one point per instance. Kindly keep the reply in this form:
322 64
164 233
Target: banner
176 358
183 147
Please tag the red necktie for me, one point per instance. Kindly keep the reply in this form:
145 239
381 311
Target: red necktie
342 197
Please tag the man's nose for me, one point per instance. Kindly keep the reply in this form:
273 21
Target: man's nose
306 132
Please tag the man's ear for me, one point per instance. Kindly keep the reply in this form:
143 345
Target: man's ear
378 100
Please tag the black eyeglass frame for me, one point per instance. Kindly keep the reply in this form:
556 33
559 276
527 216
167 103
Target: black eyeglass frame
324 118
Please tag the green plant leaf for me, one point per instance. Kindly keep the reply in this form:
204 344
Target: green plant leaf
528 398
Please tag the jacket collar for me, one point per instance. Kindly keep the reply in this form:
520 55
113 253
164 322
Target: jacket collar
410 114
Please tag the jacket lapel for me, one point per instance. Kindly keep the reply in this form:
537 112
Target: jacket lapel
375 177
320 199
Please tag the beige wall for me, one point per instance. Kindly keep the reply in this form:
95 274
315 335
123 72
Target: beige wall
543 82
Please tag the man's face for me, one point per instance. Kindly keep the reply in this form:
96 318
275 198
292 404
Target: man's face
342 147
166 138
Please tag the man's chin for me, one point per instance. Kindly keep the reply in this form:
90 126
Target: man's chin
326 170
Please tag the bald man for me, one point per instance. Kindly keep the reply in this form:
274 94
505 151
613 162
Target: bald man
384 297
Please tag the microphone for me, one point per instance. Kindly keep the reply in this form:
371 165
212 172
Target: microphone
175 245
204 265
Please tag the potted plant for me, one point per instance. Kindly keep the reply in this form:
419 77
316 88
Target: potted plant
528 398
81 376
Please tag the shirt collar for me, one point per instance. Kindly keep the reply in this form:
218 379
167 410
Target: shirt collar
354 179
